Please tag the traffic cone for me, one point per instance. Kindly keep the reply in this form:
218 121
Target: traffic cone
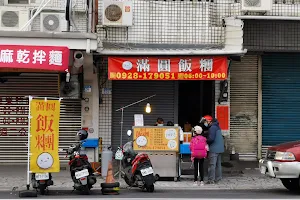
110 176
110 186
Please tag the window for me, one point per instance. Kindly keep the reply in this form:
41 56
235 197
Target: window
17 2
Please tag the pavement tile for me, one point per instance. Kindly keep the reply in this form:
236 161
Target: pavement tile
252 179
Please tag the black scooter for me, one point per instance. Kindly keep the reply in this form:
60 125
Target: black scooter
41 181
81 170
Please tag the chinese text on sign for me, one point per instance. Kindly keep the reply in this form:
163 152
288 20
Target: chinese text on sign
44 132
157 68
156 139
50 58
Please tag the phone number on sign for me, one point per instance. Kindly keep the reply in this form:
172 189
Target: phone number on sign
165 76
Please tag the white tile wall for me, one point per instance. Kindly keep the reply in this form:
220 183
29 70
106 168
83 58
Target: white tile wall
166 22
105 116
105 107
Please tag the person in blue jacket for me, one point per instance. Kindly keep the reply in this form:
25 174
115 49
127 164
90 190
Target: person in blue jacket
216 148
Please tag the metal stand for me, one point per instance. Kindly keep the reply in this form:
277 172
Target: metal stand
28 144
121 133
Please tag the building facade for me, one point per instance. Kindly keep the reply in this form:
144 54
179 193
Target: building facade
262 76
260 42
172 29
27 28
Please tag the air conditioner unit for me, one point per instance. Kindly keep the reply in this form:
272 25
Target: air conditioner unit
257 5
53 22
117 13
13 19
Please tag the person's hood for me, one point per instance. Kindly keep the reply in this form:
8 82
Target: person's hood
215 122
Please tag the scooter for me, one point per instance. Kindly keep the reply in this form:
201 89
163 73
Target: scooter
137 168
41 181
82 173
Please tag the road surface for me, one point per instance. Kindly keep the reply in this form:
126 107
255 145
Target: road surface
167 194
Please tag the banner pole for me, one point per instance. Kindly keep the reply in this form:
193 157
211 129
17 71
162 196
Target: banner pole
28 144
49 98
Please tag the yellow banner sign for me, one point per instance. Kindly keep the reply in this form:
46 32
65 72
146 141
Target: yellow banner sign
156 139
44 130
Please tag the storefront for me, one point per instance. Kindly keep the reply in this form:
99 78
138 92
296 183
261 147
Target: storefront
14 111
29 66
244 107
184 88
280 98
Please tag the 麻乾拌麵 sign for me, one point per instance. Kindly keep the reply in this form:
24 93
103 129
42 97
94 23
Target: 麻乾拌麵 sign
50 58
167 68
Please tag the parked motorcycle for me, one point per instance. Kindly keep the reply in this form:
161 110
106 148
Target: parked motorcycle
81 170
41 181
137 168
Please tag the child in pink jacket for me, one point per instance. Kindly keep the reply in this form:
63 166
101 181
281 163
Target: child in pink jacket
198 147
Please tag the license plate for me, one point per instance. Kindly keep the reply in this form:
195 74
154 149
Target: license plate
81 174
147 171
263 169
41 176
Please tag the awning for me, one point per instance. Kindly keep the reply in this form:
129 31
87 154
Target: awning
120 49
170 52
72 40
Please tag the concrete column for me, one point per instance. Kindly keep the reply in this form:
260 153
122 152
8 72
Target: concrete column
90 105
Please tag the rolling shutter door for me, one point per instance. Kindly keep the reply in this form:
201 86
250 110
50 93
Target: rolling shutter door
281 98
243 107
127 92
14 109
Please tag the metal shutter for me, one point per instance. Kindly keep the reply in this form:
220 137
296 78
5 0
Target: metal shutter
243 106
127 92
280 97
13 146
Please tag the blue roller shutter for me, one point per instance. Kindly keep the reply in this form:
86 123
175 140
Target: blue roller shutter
281 98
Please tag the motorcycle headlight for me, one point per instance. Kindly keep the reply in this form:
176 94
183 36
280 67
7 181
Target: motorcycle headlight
284 156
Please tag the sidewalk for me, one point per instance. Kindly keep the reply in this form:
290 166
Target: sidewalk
14 178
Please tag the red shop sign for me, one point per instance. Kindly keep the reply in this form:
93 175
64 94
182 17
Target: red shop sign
167 68
50 58
223 117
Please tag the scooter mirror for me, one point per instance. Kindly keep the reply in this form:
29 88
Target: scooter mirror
129 132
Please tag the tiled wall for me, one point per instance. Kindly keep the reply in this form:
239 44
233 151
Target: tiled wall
105 104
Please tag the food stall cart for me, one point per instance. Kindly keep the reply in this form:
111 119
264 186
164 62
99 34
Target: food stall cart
185 153
162 146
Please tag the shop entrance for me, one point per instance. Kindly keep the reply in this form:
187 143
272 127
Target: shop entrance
196 99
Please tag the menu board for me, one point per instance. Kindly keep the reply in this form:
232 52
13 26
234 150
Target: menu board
156 138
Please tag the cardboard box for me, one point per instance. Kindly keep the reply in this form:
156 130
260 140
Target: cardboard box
187 127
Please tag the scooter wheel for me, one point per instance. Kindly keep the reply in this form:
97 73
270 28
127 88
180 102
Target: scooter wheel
110 185
42 190
86 190
150 188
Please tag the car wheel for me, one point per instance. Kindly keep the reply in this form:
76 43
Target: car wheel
292 184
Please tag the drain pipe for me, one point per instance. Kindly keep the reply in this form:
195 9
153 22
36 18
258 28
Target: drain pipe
90 18
90 11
